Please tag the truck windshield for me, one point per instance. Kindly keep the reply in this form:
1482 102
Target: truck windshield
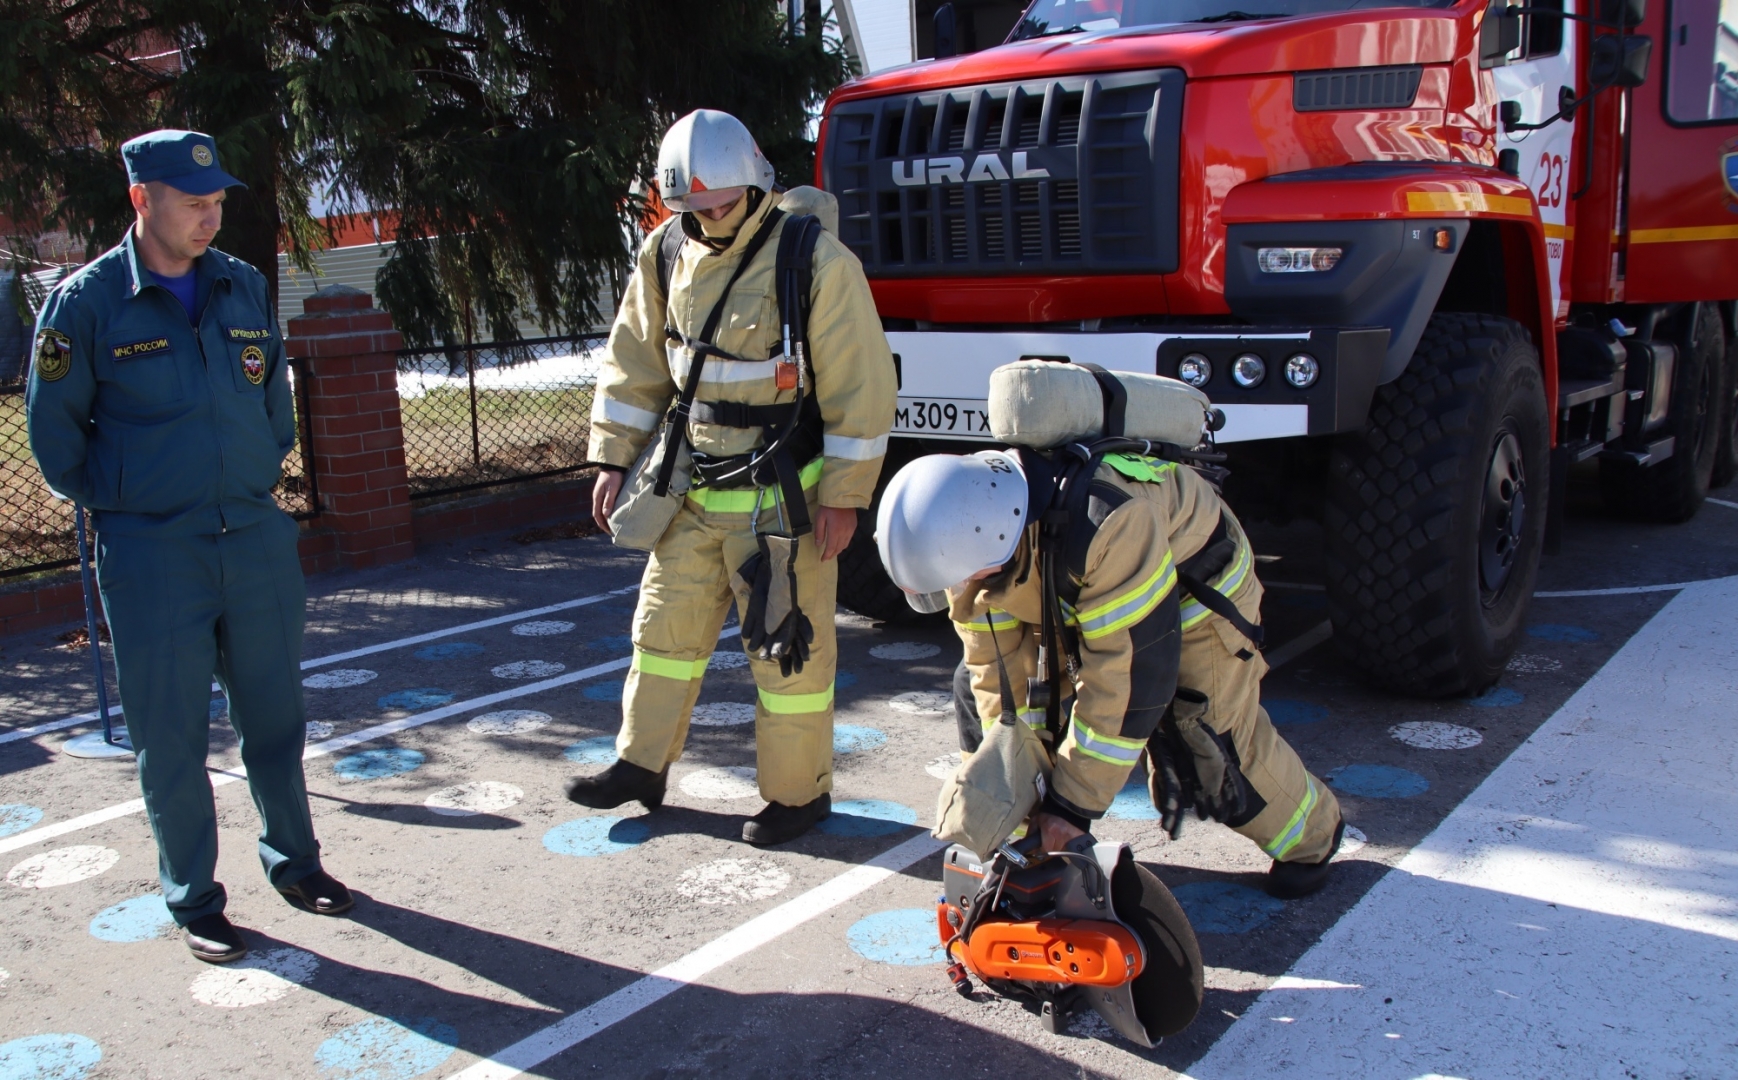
1047 17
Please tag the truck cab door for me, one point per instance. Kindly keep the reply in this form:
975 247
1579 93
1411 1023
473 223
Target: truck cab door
1541 75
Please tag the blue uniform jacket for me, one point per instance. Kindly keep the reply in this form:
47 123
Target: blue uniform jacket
154 424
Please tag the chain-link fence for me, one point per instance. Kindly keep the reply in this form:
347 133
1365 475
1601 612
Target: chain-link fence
37 529
495 413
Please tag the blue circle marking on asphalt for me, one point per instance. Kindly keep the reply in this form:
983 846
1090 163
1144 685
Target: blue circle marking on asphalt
375 764
1285 712
604 691
867 817
386 1048
587 837
843 680
140 919
420 698
448 650
599 750
904 936
1497 697
16 817
1377 781
48 1057
854 738
1133 802
1225 907
1560 632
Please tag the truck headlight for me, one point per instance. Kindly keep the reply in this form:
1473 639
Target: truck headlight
1248 370
1302 371
1298 260
1195 369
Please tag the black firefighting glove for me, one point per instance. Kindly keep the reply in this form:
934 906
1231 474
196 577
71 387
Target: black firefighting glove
1194 766
773 625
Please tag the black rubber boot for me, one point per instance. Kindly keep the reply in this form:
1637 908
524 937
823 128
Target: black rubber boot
779 823
1293 881
622 782
214 940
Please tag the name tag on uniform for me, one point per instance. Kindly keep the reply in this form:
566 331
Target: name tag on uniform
140 348
243 333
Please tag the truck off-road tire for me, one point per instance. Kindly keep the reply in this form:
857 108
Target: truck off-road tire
1726 455
1673 490
1436 511
864 586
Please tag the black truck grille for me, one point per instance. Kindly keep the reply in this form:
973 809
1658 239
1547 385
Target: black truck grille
1074 175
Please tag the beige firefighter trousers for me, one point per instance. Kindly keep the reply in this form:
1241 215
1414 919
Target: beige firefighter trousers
684 597
1301 815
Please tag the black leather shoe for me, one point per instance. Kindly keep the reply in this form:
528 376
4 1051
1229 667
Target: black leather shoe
214 940
319 893
622 782
779 823
1293 881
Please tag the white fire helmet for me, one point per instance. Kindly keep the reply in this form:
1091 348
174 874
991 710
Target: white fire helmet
707 159
945 517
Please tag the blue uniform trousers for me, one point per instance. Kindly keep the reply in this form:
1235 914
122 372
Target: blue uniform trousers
181 610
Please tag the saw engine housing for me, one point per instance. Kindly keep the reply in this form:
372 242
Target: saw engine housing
1050 929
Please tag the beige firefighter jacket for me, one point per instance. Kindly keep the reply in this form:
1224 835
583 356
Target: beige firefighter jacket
853 368
1129 574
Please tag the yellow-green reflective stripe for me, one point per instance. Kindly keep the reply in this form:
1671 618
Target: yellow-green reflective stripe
1111 748
1136 467
1131 607
670 669
997 620
742 500
1294 829
1194 612
1034 718
788 704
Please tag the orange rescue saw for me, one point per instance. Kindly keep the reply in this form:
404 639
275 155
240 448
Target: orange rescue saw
1087 926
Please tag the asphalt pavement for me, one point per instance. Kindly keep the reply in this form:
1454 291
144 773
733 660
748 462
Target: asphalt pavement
1507 906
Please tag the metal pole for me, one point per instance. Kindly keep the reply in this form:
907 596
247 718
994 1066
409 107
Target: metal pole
90 620
471 372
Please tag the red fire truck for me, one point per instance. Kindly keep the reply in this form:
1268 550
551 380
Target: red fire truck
1426 255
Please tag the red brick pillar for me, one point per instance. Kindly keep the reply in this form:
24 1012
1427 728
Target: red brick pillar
358 436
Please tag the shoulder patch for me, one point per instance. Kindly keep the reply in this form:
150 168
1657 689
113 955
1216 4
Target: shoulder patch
139 348
53 355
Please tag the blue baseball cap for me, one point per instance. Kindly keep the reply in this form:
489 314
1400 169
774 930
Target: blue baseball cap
185 160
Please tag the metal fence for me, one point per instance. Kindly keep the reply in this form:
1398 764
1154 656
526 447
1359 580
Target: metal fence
36 529
495 413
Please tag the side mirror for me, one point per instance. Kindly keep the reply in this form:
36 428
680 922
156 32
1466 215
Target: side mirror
1619 61
946 33
1499 36
1624 12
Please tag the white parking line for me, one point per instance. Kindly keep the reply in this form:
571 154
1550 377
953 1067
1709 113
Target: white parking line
220 777
322 661
1724 502
577 1027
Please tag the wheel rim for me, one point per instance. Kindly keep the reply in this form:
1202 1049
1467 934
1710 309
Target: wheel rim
1503 515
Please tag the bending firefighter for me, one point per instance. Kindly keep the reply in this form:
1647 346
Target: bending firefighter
1150 664
748 387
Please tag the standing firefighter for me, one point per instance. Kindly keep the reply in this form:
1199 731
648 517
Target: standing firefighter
751 335
160 399
1152 600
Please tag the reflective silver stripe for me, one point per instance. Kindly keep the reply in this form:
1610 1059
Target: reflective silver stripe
1231 579
1129 608
716 370
846 448
994 620
620 412
1107 748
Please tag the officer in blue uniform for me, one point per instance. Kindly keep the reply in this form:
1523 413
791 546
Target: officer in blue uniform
159 399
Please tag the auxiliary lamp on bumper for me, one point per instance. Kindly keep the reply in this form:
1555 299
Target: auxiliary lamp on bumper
1297 260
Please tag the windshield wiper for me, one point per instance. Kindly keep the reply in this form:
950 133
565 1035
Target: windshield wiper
1238 16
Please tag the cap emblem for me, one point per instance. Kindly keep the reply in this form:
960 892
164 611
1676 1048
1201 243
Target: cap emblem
201 154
